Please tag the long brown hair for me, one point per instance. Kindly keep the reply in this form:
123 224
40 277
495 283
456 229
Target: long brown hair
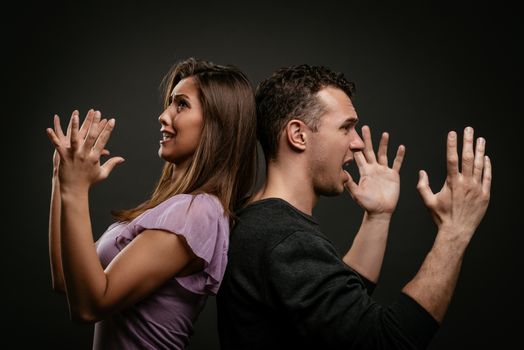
224 163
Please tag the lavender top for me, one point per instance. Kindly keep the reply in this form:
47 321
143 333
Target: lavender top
164 319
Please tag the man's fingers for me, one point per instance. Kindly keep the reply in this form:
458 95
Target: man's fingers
368 144
360 160
486 176
478 164
467 153
399 158
424 189
383 149
452 155
351 185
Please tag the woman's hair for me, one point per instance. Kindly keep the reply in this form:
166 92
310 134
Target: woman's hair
225 161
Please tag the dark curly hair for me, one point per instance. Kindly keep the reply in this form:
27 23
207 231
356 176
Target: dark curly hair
290 93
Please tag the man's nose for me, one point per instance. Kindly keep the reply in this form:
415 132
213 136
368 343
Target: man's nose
356 143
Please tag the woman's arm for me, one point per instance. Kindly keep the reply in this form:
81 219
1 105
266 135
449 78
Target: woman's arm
57 275
145 264
55 258
141 267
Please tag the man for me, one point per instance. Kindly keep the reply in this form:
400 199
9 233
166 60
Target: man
285 287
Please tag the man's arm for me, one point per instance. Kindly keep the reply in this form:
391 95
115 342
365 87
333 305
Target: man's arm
327 304
457 211
367 251
377 193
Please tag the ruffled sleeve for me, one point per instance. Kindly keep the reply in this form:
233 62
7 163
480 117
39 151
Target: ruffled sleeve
201 221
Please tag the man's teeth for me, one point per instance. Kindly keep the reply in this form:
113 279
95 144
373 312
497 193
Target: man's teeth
166 135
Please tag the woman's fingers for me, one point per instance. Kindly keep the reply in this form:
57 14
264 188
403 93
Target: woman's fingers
58 129
104 136
55 140
108 166
74 132
53 137
93 132
68 132
86 124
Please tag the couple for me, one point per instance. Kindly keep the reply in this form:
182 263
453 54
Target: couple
147 278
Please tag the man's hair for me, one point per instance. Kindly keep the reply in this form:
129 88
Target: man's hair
291 93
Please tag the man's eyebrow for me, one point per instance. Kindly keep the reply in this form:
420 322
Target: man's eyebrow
350 121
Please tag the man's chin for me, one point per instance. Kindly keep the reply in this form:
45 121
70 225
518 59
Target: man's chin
331 192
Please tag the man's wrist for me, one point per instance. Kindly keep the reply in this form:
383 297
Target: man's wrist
456 237
378 217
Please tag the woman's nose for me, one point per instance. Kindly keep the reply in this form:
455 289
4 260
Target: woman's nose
163 119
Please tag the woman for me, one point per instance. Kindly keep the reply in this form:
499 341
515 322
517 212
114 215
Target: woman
146 279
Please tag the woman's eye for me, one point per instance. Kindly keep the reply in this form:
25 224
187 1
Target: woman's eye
181 105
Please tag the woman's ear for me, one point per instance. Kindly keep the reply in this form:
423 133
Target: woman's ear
296 134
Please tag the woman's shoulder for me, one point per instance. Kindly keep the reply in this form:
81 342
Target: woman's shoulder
198 203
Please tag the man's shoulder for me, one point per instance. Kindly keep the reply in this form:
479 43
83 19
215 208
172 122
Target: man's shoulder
273 216
266 224
276 208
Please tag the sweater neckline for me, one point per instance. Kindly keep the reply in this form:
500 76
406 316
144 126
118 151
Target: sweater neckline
283 202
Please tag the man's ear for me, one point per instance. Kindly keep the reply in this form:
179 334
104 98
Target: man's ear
296 134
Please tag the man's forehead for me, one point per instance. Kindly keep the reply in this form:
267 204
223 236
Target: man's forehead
337 101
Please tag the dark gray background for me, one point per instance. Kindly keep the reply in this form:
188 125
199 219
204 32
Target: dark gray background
420 69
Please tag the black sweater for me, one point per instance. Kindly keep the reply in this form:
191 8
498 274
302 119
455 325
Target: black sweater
285 287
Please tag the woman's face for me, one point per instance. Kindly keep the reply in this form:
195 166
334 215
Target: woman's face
182 124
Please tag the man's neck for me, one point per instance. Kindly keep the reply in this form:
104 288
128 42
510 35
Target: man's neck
288 183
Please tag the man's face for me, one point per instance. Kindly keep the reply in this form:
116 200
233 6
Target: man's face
334 144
